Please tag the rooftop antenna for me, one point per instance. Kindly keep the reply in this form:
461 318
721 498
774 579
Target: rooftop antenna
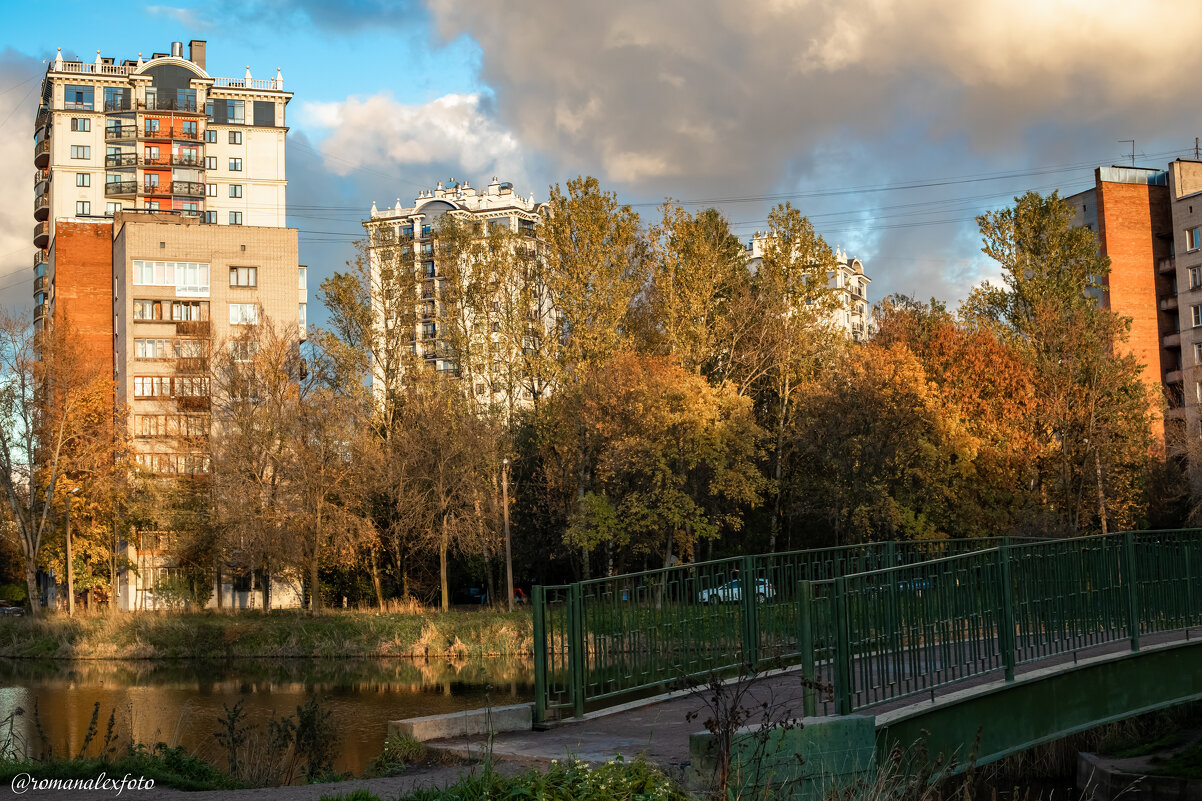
1132 141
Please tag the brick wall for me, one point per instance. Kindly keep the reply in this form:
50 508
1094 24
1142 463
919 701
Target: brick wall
83 283
1135 229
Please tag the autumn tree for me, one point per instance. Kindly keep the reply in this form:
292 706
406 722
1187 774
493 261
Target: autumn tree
1093 413
55 409
675 460
883 454
699 294
794 305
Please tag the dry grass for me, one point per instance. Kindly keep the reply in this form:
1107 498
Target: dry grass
207 635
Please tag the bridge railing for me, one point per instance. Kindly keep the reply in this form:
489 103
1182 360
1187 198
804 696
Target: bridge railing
903 631
600 641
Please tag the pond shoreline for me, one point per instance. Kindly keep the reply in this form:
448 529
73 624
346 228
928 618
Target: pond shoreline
269 635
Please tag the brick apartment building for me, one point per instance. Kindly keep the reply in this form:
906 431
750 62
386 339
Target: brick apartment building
1147 225
154 183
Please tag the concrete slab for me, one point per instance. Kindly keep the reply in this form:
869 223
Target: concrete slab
468 723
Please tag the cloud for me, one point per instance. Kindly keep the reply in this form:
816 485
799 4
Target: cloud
705 98
456 134
19 83
188 17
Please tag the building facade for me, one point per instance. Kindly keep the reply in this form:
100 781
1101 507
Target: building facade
160 209
408 236
853 314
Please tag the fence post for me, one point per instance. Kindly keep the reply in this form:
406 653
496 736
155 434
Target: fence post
748 589
843 690
538 599
805 644
890 554
576 654
1005 629
1129 579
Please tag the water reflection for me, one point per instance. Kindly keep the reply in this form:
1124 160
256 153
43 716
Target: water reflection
179 702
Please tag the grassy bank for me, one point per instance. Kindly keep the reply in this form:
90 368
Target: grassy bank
209 635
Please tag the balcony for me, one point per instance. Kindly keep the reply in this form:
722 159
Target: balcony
1168 303
40 176
39 312
43 119
41 284
41 234
156 189
120 104
1172 377
187 136
120 188
1166 266
169 104
121 160
39 259
170 161
120 132
41 207
188 188
1172 340
41 154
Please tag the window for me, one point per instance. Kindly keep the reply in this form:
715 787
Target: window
1195 277
83 179
428 268
244 313
235 190
151 205
302 315
81 124
1198 392
111 208
243 351
152 125
151 153
235 137
116 99
211 137
157 386
211 217
189 311
1198 353
244 276
188 348
81 151
303 273
150 179
429 330
83 208
1193 238
188 128
147 310
235 218
235 165
211 190
210 162
235 111
152 348
78 97
1196 312
191 387
426 230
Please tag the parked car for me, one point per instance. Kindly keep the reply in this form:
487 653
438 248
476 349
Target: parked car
731 592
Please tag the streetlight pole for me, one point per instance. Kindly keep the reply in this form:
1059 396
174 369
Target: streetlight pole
508 546
70 566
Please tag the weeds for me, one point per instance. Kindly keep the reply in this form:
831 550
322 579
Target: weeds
397 754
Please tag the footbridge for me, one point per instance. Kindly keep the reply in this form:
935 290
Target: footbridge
989 645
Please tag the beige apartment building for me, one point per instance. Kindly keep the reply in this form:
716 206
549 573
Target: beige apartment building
853 315
160 211
407 235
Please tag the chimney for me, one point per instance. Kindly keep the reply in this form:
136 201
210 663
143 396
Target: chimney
196 52
177 49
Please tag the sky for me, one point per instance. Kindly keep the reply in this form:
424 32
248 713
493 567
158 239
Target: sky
891 124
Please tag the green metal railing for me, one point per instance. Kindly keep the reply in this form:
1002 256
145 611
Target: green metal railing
882 621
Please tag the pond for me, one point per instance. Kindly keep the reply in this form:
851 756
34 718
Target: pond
179 703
